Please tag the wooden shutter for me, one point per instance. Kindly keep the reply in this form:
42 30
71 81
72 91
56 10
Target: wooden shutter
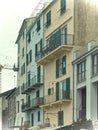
49 91
30 55
64 65
41 45
60 118
38 73
58 38
67 88
27 59
63 6
57 91
57 68
48 18
35 50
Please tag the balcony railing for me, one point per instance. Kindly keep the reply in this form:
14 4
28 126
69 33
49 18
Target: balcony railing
54 43
32 104
32 84
56 97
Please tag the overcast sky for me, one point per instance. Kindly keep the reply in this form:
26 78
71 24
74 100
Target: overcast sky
12 13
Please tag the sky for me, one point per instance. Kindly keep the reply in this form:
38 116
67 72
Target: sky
12 14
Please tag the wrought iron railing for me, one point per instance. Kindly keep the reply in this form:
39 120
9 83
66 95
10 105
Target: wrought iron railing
32 104
63 39
62 95
32 83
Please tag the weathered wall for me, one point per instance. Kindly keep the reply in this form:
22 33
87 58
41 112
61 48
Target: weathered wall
85 20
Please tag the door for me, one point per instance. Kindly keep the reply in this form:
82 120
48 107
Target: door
84 102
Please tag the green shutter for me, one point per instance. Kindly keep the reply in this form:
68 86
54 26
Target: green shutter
48 18
35 50
57 91
60 118
30 55
38 93
28 79
49 91
27 59
64 65
41 45
57 68
38 73
68 88
63 6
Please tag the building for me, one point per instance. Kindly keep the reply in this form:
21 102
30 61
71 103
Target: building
21 119
34 72
4 109
67 27
11 97
85 79
56 57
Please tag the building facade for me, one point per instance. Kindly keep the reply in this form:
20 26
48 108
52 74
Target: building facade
11 97
4 110
34 88
21 120
86 83
56 57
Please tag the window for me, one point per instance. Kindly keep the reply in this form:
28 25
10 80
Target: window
17 106
38 48
63 89
63 6
95 64
29 37
32 119
60 118
50 91
38 25
60 66
37 93
23 69
38 115
81 71
29 57
29 77
48 19
22 52
38 74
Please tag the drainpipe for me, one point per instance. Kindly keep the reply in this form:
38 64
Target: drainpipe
73 92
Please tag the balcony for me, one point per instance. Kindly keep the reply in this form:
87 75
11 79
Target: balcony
32 104
55 47
54 99
32 84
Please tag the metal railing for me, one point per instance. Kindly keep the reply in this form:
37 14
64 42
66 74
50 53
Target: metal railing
32 83
62 95
32 104
63 39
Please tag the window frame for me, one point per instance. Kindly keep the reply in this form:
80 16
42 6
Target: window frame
48 19
95 65
81 71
